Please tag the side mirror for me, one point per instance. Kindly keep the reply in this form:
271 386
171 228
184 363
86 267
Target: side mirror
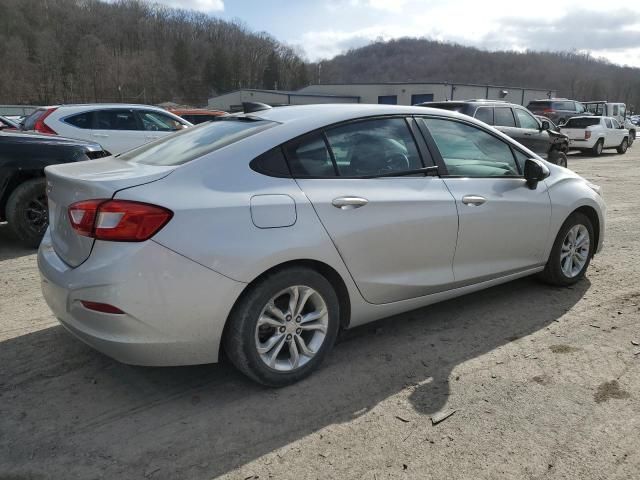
545 125
534 171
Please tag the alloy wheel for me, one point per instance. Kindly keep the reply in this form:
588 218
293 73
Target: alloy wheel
36 214
575 251
291 328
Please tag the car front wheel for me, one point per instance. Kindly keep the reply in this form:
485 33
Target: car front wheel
571 252
283 326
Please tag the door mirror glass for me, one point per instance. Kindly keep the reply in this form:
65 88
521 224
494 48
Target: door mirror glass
545 125
534 172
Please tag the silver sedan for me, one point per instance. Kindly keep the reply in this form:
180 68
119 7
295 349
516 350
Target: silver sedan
263 234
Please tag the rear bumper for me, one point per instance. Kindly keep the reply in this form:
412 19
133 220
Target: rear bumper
175 308
580 143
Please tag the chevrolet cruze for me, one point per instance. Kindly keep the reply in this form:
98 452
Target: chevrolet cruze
262 234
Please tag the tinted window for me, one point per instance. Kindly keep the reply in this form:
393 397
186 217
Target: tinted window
581 122
373 147
471 152
194 142
81 120
526 120
271 163
564 106
503 117
485 115
158 122
198 119
116 120
607 122
310 157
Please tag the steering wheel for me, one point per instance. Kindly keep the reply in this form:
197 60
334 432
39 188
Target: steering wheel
397 161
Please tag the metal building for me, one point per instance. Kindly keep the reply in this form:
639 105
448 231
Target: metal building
404 93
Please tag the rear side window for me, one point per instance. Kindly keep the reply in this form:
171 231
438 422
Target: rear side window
607 122
81 120
373 147
581 122
485 115
503 117
310 157
116 120
194 142
271 163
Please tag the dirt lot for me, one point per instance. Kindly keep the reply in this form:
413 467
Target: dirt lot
544 380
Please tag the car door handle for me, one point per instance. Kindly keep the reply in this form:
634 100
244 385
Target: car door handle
473 200
349 203
101 135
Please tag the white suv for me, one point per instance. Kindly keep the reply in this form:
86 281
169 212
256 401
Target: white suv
117 127
593 134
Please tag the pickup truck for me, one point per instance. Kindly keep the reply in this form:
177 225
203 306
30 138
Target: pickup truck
594 134
613 110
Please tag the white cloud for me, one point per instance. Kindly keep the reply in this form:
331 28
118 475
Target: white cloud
201 5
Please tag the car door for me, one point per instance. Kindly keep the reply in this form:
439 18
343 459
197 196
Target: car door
396 233
157 125
618 132
531 134
610 134
117 130
504 225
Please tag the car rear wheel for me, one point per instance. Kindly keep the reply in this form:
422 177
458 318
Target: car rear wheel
27 212
283 327
596 151
571 252
622 149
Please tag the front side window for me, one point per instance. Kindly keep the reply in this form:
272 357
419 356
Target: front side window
158 122
579 107
485 115
526 120
373 147
615 123
468 151
116 120
503 117
607 122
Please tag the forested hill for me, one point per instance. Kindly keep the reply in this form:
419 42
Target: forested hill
409 59
86 50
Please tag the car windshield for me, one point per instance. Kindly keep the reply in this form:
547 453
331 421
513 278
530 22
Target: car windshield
194 142
581 122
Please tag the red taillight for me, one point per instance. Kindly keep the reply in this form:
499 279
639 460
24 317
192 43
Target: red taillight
42 127
117 220
587 134
101 307
548 110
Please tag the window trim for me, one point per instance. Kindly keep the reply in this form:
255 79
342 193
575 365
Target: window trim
437 156
322 133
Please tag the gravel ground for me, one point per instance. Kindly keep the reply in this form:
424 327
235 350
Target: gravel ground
544 382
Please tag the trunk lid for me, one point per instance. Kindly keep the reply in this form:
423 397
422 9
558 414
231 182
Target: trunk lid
72 182
575 133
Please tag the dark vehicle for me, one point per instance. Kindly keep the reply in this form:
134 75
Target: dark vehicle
515 121
558 110
23 157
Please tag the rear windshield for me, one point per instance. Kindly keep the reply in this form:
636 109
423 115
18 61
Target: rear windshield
543 104
194 142
581 122
30 121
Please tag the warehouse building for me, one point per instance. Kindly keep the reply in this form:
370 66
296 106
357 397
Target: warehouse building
406 93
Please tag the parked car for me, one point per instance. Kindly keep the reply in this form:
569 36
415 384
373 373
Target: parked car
613 110
117 127
559 110
594 134
635 119
23 158
6 124
515 121
197 116
263 234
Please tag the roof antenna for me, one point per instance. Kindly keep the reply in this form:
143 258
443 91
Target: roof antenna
250 107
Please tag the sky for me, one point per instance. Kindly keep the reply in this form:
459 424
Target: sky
325 28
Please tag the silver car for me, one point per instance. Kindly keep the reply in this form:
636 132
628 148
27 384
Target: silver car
263 234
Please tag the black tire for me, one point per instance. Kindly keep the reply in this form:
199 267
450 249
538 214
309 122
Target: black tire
596 151
632 137
26 212
553 273
239 340
622 149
